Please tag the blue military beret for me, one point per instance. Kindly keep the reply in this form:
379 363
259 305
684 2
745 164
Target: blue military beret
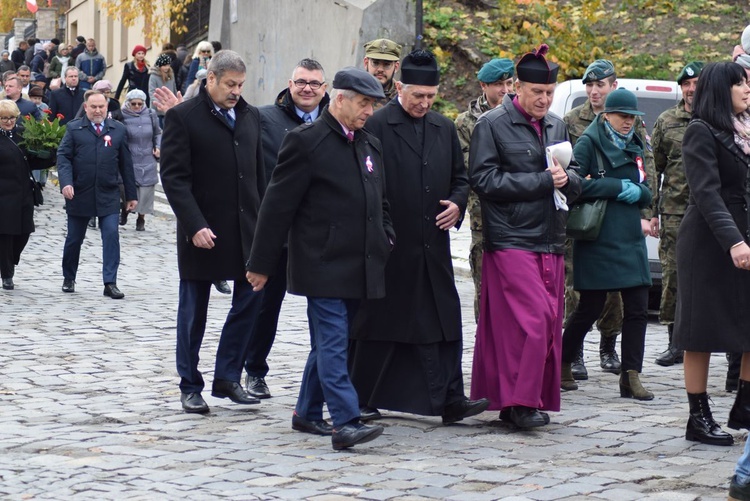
496 69
360 81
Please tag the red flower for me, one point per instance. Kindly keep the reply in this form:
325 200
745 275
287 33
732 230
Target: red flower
27 117
48 111
60 116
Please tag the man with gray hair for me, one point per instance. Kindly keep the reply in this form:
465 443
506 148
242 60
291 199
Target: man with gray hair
301 102
327 193
212 174
5 63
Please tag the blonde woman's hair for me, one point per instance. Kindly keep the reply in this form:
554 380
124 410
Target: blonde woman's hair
204 45
8 106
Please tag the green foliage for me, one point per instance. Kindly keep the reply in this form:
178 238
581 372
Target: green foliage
42 135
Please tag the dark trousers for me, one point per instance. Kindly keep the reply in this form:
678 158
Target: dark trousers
264 332
635 318
11 247
77 226
192 313
325 378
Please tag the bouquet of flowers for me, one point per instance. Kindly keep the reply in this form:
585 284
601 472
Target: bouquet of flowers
42 137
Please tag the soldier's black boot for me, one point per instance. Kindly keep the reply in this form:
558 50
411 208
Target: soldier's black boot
670 356
578 368
701 426
734 361
739 416
610 362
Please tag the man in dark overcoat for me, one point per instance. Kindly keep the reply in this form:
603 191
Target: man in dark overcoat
327 194
301 102
212 173
406 348
67 99
92 158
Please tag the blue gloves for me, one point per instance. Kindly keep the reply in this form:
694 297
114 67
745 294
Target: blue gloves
630 193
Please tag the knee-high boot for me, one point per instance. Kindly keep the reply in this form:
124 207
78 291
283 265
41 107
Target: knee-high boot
739 416
701 426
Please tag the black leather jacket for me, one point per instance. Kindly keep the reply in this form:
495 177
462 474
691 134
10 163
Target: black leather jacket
508 173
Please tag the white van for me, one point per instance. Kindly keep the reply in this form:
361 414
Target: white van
654 96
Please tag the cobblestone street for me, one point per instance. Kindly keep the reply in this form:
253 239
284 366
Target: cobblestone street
90 407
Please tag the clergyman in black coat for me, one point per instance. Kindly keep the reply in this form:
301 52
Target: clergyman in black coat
212 174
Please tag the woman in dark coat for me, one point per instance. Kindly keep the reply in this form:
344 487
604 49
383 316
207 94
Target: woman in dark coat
16 193
713 258
611 160
135 73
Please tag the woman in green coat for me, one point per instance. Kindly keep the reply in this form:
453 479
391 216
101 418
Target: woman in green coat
611 159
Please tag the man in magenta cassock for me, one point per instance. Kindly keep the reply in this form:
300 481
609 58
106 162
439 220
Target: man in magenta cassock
519 333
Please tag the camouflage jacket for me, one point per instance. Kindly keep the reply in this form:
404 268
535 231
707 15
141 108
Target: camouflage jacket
673 196
465 123
389 92
580 117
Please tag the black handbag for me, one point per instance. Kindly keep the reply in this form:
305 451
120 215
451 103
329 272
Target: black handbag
585 219
37 190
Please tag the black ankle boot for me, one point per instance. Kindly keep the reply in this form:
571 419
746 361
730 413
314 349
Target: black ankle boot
739 416
670 356
578 368
610 362
701 426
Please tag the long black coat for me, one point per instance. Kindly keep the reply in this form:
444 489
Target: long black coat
16 198
328 195
66 103
712 295
95 166
421 303
213 178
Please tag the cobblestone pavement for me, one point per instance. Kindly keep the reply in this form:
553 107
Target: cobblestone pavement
89 408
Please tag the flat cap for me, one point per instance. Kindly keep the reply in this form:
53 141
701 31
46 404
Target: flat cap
691 70
384 49
599 70
361 82
495 70
534 67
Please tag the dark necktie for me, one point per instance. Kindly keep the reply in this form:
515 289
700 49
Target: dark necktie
350 136
98 129
307 118
228 118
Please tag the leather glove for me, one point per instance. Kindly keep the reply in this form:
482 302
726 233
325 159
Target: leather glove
630 193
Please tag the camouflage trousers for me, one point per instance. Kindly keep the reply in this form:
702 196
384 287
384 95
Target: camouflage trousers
669 224
610 321
475 263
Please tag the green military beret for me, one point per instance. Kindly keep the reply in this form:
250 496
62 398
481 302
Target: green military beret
599 70
495 70
383 49
691 70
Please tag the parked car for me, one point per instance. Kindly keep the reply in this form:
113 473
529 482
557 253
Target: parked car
654 96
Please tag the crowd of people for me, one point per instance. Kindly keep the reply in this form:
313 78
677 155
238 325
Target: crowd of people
346 197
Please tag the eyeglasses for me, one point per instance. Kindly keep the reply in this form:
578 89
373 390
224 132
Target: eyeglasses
205 52
314 85
136 104
8 119
379 63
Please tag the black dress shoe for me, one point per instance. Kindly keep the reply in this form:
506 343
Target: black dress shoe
578 368
369 413
257 387
233 391
526 417
112 291
222 286
321 427
69 285
354 433
505 416
463 409
92 222
8 284
194 403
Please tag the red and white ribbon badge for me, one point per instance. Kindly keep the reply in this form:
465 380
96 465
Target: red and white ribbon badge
641 170
368 163
107 140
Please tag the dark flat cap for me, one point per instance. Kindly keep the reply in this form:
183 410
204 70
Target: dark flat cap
534 67
361 82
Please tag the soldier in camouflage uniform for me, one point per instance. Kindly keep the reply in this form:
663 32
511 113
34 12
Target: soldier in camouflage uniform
496 80
600 79
382 60
671 199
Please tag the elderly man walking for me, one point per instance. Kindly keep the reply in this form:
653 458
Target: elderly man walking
327 194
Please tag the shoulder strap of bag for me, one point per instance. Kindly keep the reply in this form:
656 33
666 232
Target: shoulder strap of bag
600 162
